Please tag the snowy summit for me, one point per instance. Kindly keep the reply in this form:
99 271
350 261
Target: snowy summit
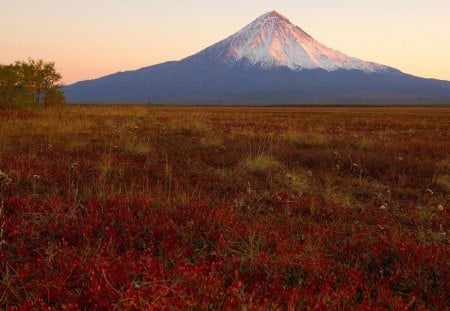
270 61
273 41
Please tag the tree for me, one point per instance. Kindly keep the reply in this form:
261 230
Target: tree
34 82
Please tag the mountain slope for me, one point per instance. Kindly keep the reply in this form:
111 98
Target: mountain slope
273 41
270 61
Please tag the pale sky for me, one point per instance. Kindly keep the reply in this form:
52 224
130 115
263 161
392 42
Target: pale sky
91 38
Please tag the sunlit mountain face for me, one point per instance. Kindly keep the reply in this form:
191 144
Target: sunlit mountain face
273 41
269 61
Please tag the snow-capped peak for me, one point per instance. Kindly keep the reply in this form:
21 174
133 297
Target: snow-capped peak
273 41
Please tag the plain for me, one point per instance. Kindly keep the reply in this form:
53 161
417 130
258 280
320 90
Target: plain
132 207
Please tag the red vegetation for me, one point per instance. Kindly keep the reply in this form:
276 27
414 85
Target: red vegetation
260 247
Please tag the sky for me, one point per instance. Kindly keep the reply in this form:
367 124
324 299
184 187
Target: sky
90 38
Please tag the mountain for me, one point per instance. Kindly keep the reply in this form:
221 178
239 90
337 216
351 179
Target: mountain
273 41
270 61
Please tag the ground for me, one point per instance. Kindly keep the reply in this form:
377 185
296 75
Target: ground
142 207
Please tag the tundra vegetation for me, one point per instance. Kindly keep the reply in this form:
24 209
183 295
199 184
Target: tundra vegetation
141 207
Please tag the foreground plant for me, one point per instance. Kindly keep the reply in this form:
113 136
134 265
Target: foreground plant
129 208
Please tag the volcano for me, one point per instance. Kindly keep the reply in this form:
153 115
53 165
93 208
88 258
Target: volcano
270 61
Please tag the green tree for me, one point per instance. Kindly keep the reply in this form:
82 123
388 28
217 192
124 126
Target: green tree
33 82
9 86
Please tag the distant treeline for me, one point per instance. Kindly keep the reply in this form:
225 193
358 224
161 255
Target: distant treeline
30 83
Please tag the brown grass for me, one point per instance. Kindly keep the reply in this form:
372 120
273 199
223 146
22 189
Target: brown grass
324 173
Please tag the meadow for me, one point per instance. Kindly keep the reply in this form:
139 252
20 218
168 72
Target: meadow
147 207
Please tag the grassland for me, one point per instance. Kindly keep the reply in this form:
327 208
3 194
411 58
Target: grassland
224 208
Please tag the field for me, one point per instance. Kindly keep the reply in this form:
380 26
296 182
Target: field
140 207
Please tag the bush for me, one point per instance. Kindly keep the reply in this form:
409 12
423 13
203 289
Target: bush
31 83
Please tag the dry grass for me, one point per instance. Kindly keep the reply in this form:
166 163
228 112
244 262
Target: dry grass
289 202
